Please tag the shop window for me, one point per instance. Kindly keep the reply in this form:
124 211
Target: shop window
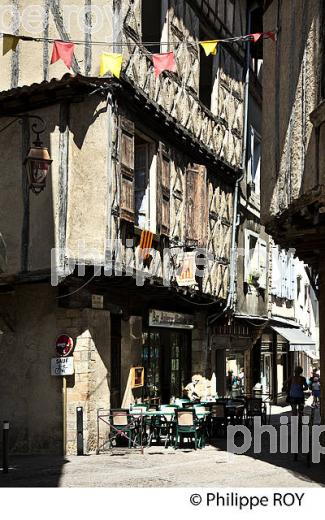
151 19
206 74
255 260
254 161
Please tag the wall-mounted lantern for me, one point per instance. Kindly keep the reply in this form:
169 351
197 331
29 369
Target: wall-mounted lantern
37 162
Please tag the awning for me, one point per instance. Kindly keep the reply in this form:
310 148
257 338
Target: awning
299 341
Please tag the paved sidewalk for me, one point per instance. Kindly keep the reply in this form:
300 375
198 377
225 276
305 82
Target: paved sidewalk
158 467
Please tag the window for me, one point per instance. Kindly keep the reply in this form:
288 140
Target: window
298 286
256 49
152 23
206 74
254 162
306 293
284 278
255 260
143 164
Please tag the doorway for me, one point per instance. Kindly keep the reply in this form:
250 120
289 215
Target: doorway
115 397
167 362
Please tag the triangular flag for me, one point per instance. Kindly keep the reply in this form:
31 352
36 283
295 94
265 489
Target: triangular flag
111 63
9 43
271 35
63 51
164 61
210 47
255 36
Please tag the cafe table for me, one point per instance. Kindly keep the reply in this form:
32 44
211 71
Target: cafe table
167 412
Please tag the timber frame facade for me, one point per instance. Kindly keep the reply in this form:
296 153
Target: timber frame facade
130 155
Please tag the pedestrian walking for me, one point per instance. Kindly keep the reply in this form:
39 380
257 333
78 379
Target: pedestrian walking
315 389
296 386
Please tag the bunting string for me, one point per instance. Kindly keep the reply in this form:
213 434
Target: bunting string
244 38
112 62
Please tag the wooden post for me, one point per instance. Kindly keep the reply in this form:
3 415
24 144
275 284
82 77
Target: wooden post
322 335
275 367
64 414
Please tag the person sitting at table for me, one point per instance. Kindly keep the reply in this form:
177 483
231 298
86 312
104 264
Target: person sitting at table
190 389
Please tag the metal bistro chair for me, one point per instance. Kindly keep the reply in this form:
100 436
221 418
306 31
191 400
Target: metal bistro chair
235 410
187 426
202 422
218 419
122 425
255 407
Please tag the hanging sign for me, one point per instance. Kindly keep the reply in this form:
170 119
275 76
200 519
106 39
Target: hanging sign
167 319
64 345
62 366
187 269
137 377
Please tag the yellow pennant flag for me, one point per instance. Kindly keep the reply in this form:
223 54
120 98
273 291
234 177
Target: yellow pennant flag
210 47
9 43
111 63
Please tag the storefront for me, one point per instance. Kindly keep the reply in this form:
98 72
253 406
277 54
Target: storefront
282 348
232 358
167 354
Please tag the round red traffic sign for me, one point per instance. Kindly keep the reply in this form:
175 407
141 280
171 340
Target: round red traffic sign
64 345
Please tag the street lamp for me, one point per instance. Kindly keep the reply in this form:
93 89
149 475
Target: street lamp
37 162
38 159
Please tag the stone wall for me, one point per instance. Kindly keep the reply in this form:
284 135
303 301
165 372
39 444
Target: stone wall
290 93
31 399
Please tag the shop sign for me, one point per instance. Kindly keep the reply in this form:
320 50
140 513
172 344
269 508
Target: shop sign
174 320
64 345
62 366
187 269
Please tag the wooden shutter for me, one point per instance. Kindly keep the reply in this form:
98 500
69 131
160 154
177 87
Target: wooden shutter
292 282
262 258
284 269
127 169
247 256
196 204
163 190
276 272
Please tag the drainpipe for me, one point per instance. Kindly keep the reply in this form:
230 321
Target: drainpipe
233 260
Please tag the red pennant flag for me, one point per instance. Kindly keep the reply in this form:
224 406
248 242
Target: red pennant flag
255 36
63 51
271 35
164 61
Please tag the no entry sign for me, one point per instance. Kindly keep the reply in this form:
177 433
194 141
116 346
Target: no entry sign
64 345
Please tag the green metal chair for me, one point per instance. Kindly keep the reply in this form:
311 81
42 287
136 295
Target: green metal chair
187 426
122 426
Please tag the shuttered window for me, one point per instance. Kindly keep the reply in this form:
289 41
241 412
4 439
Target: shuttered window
141 185
163 190
255 271
284 280
127 169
